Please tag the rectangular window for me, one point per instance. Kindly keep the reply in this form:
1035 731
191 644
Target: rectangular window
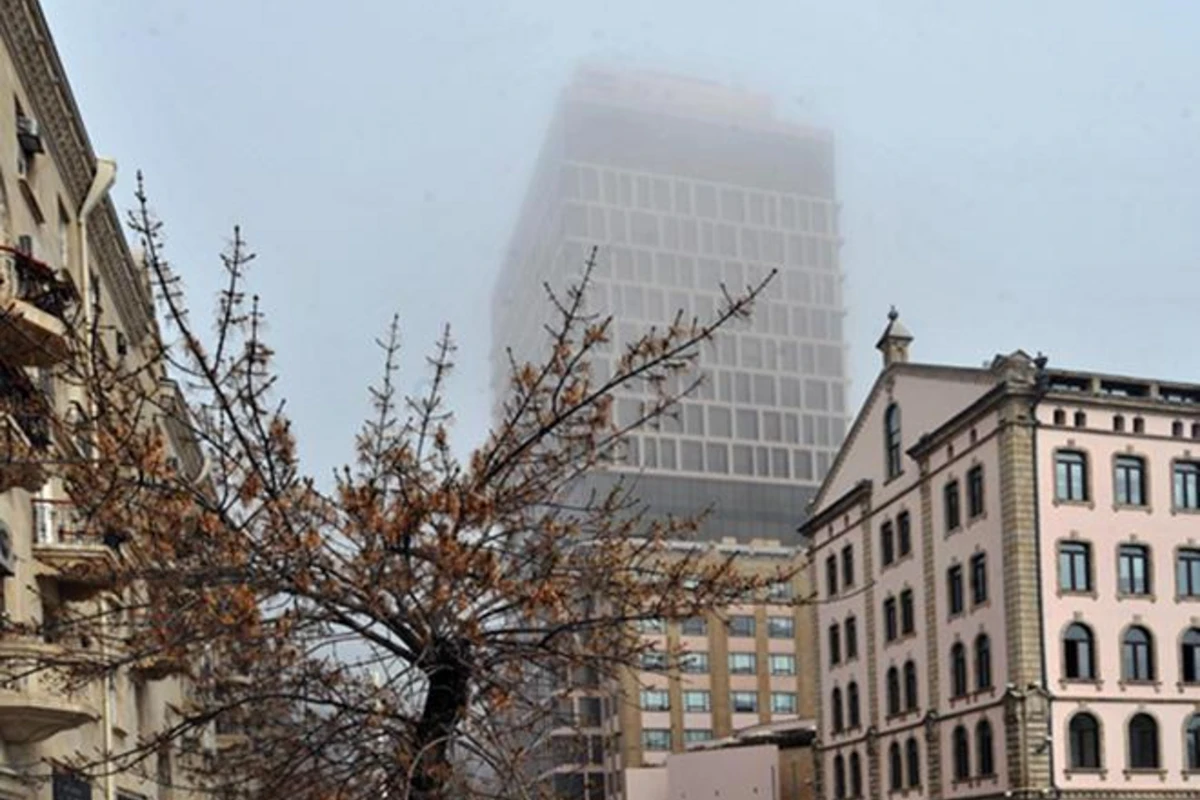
781 627
1133 574
783 664
1070 476
695 700
783 702
908 616
744 702
694 735
1075 567
694 663
1187 573
655 700
656 739
741 626
743 663
975 492
954 589
657 625
890 623
835 645
831 576
887 543
1129 481
694 626
847 566
654 662
904 534
1187 485
979 586
951 500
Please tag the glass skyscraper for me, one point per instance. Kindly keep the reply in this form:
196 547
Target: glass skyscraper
684 187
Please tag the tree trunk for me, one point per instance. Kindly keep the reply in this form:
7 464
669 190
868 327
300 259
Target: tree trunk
449 675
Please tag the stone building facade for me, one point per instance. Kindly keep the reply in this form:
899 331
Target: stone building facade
63 262
1007 578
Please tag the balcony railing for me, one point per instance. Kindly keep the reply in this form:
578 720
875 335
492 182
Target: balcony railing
35 702
24 431
83 562
34 303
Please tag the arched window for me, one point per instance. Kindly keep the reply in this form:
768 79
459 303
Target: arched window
855 775
839 776
893 691
958 670
855 718
891 436
1192 741
1079 652
910 686
1189 653
913 757
895 768
1137 655
983 662
836 703
1143 742
1084 733
984 761
962 754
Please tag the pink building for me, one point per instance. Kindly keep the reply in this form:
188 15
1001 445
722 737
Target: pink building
1007 566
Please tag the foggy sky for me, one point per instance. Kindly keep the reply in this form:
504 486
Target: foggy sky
1016 174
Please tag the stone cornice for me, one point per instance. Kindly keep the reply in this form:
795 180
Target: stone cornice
27 36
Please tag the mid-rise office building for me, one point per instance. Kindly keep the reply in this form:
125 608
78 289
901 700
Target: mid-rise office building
1007 572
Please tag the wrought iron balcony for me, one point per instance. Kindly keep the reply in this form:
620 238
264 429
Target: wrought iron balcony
35 700
34 302
83 563
24 432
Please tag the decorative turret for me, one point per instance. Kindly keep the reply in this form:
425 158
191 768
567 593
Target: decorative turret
894 341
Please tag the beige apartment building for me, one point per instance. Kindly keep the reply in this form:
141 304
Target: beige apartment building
63 261
1007 572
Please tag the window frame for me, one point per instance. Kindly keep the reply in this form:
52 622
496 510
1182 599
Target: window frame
912 757
1076 751
976 495
887 544
742 626
959 678
893 456
1067 550
1130 480
1079 651
1077 486
891 620
908 613
911 686
1185 476
1137 655
1132 557
850 637
703 708
952 506
956 593
961 754
750 658
1189 656
736 694
983 662
1154 763
979 581
903 535
773 632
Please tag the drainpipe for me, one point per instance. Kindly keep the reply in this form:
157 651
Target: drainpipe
106 174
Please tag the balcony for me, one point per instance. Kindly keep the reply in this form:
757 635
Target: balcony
83 563
158 666
24 432
33 311
34 701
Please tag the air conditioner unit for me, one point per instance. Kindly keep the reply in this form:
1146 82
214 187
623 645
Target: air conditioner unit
8 559
29 135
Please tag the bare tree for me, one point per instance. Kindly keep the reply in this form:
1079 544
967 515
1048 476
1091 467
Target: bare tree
407 626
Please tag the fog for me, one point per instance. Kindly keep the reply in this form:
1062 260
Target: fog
1018 174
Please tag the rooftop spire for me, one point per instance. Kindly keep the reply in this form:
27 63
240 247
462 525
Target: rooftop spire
894 341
